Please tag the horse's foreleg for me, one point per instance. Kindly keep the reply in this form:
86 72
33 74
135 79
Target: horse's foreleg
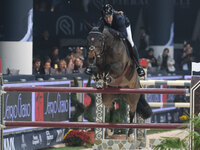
131 115
112 112
111 131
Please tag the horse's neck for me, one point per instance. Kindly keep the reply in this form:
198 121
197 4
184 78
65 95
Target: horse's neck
115 54
110 40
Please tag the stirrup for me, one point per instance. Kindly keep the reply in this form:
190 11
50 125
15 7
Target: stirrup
140 71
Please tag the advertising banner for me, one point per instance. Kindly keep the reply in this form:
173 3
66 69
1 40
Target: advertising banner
34 140
56 106
18 106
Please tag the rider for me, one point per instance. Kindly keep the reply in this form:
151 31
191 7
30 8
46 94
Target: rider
120 27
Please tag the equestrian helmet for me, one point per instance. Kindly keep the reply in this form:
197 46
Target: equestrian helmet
107 10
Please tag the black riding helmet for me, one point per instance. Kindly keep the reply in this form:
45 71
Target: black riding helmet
107 10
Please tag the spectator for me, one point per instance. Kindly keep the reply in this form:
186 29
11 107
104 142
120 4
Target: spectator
152 64
69 57
54 57
143 43
70 66
166 62
62 67
187 58
186 46
47 58
37 67
47 68
79 52
78 66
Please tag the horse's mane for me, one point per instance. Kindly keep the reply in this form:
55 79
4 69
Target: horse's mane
106 31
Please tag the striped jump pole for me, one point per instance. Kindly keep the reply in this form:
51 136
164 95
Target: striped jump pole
94 125
158 104
95 90
183 83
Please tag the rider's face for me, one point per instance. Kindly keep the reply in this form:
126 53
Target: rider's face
109 19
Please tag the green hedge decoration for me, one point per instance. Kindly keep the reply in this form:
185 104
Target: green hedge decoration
80 106
74 102
89 109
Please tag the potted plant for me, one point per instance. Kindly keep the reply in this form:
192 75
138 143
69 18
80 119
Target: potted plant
76 137
91 135
182 144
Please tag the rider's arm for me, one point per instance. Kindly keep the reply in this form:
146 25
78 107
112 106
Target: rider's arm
119 27
122 27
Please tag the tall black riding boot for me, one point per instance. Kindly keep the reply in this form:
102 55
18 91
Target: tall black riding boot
135 58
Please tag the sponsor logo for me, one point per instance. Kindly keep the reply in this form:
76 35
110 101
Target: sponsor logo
23 145
56 106
60 135
65 25
49 137
9 143
19 110
35 140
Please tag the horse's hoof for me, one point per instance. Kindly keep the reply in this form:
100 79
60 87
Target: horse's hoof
88 71
110 132
107 79
130 138
143 108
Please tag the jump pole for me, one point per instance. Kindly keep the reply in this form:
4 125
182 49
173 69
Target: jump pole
94 125
95 90
158 104
180 83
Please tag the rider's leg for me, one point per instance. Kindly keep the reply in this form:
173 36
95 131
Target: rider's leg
134 54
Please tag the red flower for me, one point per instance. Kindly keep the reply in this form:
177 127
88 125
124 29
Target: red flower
76 137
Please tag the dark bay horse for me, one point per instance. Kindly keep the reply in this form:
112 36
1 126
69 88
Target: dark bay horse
109 60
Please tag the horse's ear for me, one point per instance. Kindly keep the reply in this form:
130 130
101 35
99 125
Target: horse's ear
89 27
101 27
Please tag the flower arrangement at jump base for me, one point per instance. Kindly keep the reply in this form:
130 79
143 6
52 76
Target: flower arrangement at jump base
76 138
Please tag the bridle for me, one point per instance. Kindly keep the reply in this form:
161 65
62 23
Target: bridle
94 37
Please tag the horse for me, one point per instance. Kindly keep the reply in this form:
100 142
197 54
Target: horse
108 57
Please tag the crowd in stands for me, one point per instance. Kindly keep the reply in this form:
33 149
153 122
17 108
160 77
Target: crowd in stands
73 62
50 61
165 62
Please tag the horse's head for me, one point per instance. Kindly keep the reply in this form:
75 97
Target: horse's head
95 44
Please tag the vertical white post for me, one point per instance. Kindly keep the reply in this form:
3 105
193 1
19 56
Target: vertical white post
100 112
1 111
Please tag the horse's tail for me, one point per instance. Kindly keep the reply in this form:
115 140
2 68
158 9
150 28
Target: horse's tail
143 108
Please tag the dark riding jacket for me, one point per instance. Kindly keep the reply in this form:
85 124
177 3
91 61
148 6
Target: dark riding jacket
118 26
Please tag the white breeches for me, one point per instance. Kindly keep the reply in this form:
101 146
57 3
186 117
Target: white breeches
129 37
